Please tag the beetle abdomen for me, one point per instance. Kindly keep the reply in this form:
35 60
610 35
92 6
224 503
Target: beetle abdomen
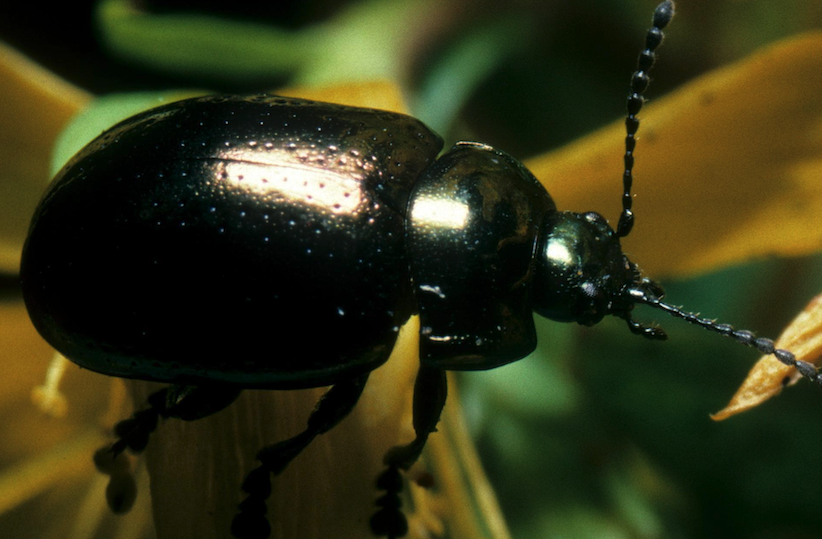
195 241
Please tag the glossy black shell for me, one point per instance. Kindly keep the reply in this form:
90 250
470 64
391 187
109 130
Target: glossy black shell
267 242
205 238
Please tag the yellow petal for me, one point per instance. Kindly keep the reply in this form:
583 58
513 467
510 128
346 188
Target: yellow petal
803 337
728 167
34 107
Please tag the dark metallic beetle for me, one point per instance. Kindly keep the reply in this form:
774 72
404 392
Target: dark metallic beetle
184 242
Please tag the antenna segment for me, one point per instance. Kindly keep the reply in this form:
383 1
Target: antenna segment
639 83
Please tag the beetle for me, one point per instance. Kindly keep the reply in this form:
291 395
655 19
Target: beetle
179 244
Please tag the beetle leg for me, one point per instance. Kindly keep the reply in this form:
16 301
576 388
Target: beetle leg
649 332
196 402
179 401
183 402
334 406
430 390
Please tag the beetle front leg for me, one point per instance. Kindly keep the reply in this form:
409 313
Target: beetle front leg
430 391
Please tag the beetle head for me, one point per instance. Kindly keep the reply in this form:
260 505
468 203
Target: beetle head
582 274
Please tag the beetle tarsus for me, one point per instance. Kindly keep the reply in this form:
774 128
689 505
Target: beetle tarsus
251 522
132 433
389 520
121 490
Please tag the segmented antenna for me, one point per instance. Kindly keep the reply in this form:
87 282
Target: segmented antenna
663 14
765 346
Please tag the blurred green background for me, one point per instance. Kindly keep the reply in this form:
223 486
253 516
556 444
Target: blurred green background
599 433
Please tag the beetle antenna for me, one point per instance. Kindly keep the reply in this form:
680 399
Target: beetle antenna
663 14
764 345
